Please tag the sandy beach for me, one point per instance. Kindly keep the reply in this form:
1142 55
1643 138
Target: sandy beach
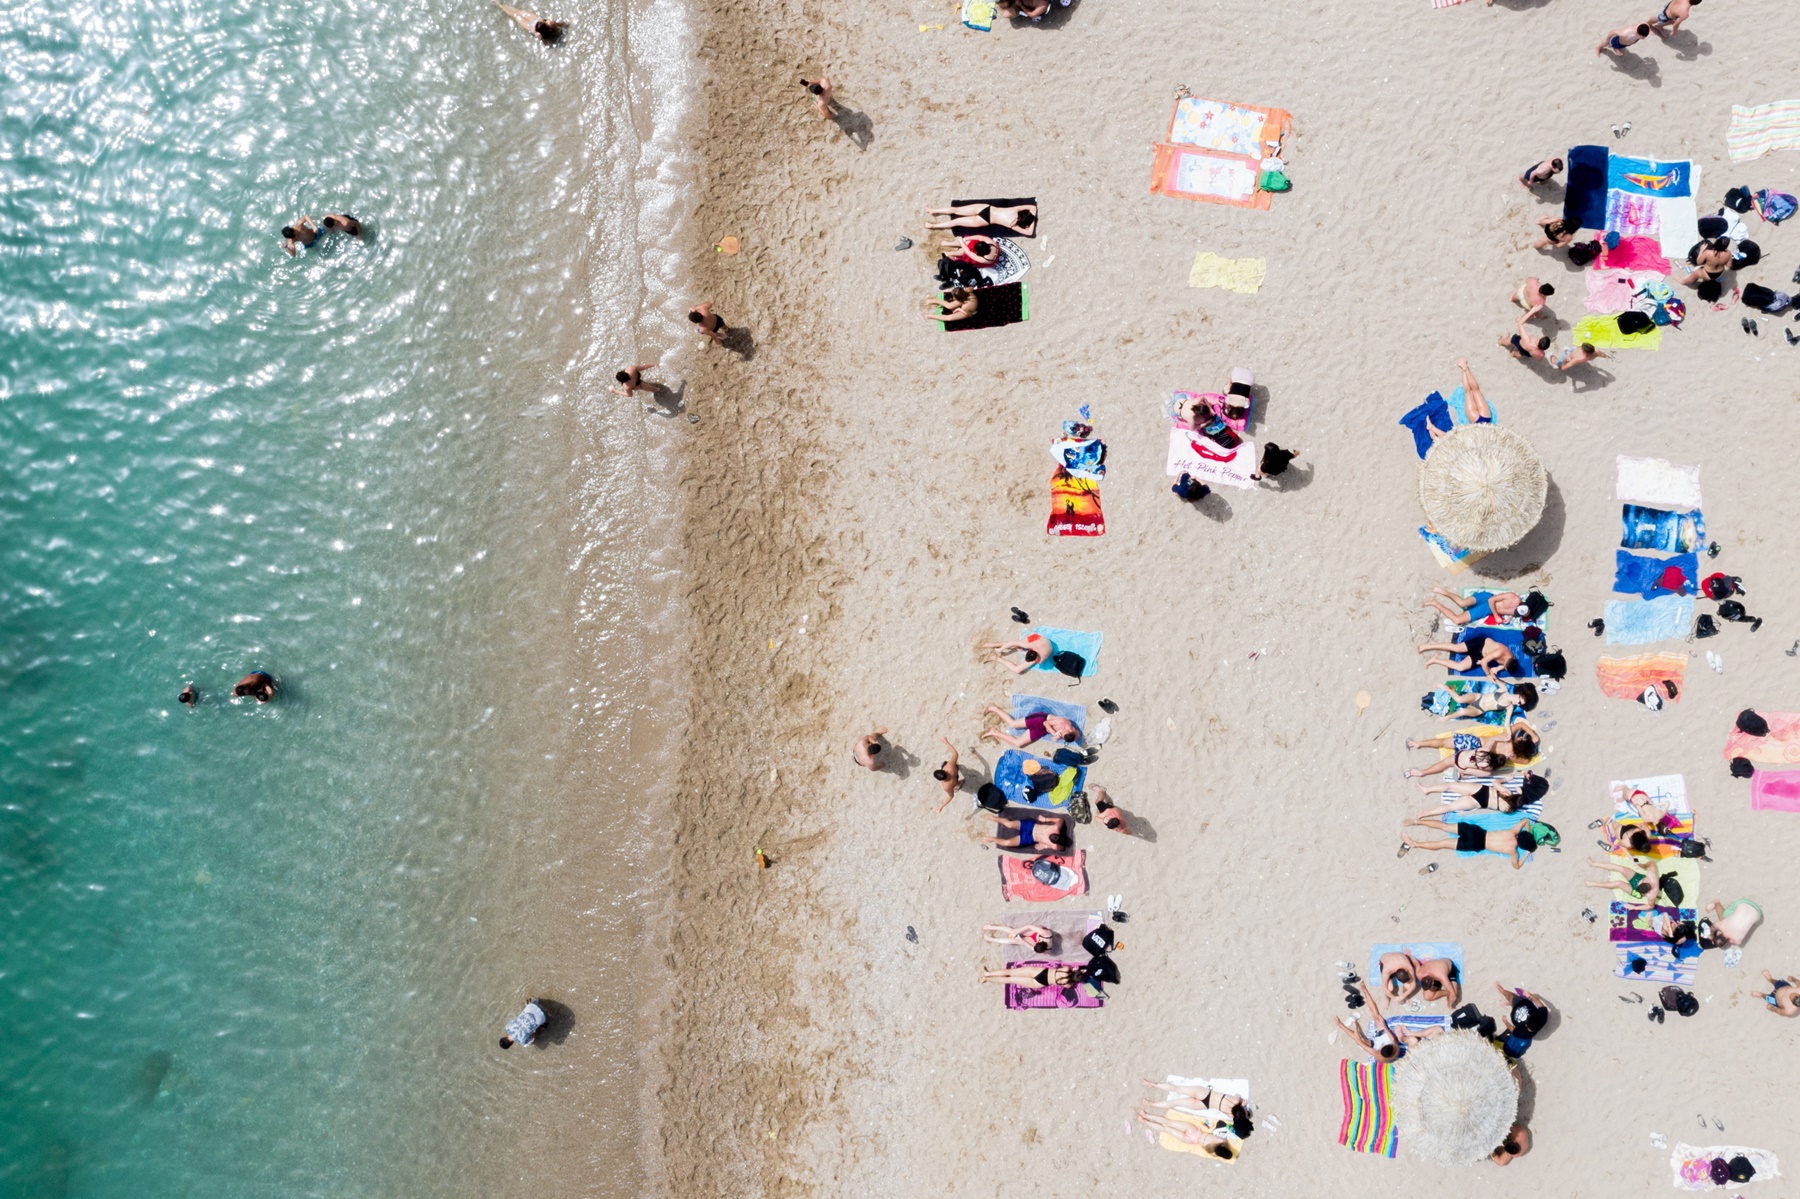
864 497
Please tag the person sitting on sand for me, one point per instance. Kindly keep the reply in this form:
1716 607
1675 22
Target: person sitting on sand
1501 796
1020 219
1048 833
1525 1019
1579 355
1783 995
343 222
1518 1138
1040 977
547 32
1710 260
1672 15
1189 1134
1034 649
1522 349
712 325
958 304
1516 842
1730 925
1557 233
949 775
1439 979
1039 938
1387 1044
1399 973
1107 810
820 91
976 251
259 684
631 379
1031 10
1615 42
301 235
1640 879
1201 1099
1501 605
1542 172
1474 651
867 751
1037 725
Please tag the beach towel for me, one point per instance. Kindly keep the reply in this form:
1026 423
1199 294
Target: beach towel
1212 1122
1074 640
1074 506
1008 304
1775 791
1654 529
1460 692
1066 928
1685 871
1648 197
1024 705
1002 230
1637 926
1493 822
1610 289
1187 173
1602 332
1019 999
1202 458
1243 275
1660 964
1780 747
1658 483
1635 254
1009 776
1692 1165
1649 176
1179 401
1017 881
1453 558
979 14
1584 196
1762 128
1635 574
1011 264
1626 678
1433 412
1513 639
1422 950
1639 622
1368 1125
1239 1087
1668 791
1215 150
1241 129
1446 3
1665 843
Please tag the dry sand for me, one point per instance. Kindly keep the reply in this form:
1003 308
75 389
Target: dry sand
869 494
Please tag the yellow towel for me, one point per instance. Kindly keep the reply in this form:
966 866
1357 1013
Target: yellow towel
1233 274
1602 332
1186 1117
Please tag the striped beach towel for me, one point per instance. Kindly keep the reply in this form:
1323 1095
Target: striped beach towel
1765 127
1445 3
1368 1116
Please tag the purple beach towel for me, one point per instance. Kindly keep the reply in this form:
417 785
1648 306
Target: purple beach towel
1019 998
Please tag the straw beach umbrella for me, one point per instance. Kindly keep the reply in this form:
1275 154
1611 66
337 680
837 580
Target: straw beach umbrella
1454 1099
1483 487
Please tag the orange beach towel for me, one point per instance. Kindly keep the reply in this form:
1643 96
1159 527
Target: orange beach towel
1214 151
1627 678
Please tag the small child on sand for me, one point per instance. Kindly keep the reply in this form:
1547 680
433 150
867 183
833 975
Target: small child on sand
1615 42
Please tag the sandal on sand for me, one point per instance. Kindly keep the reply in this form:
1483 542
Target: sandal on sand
1403 850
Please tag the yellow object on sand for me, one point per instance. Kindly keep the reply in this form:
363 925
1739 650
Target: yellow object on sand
1233 274
1166 1141
1602 332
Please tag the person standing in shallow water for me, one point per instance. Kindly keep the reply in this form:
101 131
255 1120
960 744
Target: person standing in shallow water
299 236
547 32
258 684
189 698
523 1028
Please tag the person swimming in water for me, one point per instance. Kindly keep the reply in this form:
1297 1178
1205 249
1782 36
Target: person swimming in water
189 697
343 222
547 32
301 235
258 684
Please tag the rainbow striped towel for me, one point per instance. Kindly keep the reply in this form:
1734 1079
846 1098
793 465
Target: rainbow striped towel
1756 131
1368 1116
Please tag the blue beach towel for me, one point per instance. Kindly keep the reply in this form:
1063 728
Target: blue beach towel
1433 411
1639 622
1495 821
1423 950
1009 776
1654 529
1458 406
1584 197
1085 644
1653 177
1638 575
1075 714
1513 639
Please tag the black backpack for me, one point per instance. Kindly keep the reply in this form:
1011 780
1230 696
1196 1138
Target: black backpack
1678 1001
991 798
1748 253
1635 322
1738 199
1740 1169
1582 253
1098 942
1751 723
1069 662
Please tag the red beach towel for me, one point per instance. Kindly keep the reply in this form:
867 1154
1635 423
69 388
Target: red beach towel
1017 881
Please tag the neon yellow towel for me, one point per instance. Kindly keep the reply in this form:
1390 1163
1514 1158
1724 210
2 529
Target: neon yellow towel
1233 274
1602 332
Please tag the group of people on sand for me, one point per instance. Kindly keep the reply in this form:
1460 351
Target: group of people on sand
975 250
1616 41
1221 1120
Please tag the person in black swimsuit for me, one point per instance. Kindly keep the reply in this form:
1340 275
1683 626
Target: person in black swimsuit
1020 219
712 325
1034 974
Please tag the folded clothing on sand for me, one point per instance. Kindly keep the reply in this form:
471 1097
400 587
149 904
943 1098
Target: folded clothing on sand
1639 622
1584 196
1655 529
1435 413
1653 578
1020 999
1368 1125
1693 1166
1603 333
1657 482
1018 882
1073 641
1009 776
1756 130
1779 747
1008 304
1024 705
1200 457
1628 678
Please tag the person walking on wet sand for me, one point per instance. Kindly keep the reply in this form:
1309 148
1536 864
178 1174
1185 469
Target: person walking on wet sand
301 235
820 91
258 684
547 32
867 751
711 324
523 1028
631 379
948 775
1615 42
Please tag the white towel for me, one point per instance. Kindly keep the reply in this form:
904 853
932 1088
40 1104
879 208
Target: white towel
1666 790
1235 471
1762 1159
1658 483
1225 1086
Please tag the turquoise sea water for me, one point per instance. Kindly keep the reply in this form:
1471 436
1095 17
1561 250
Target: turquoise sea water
265 951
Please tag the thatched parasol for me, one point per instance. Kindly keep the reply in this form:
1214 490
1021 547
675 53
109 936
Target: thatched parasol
1454 1098
1483 487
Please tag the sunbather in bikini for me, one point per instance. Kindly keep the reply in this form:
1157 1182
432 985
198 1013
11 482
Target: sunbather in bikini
1034 976
1516 842
1461 609
1639 878
1039 938
1472 797
1515 743
1783 995
976 251
1510 701
1466 756
1189 1134
1557 233
1031 832
1198 1098
1020 219
960 306
1036 725
1475 651
1034 649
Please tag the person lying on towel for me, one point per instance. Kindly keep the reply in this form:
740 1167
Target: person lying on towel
1501 795
1516 842
1036 725
1049 833
1508 747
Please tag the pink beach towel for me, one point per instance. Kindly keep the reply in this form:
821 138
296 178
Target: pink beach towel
1780 748
1775 791
1019 998
1017 881
1636 254
1609 290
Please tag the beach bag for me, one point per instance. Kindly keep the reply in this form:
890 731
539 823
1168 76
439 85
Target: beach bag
1676 1000
1719 585
1775 207
1582 253
1748 253
1691 848
1718 1171
1710 290
1751 724
1742 768
1710 227
991 798
1765 299
1099 941
1738 199
1635 322
1740 1169
1706 626
1672 888
1068 662
1100 969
